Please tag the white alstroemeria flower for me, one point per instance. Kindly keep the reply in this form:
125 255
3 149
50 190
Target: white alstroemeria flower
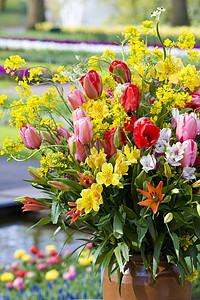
119 90
176 116
148 162
174 154
188 173
163 141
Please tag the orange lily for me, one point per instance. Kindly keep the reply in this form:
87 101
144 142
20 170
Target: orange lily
154 196
87 180
75 212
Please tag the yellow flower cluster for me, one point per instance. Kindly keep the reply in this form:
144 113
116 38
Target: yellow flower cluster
148 27
108 55
23 88
51 161
7 276
60 75
14 62
96 160
12 145
94 63
34 73
189 77
185 241
91 198
193 276
85 258
186 40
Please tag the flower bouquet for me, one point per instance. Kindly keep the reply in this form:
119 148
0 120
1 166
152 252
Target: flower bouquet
119 153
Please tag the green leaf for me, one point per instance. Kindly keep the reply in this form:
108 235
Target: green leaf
196 223
104 220
125 250
56 210
157 250
140 179
129 212
117 226
142 230
175 241
99 249
105 262
119 258
43 221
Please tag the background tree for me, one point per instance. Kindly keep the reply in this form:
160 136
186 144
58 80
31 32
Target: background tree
179 13
35 13
2 5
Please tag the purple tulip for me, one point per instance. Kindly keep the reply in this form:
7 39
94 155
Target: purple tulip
190 153
76 99
83 130
187 128
30 137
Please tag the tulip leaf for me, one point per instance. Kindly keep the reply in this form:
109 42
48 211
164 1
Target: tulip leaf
125 250
56 210
196 223
157 250
117 226
43 221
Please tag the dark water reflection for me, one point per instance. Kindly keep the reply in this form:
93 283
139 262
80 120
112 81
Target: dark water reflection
14 236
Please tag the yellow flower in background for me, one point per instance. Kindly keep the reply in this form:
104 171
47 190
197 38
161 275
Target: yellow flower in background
60 76
3 98
7 276
50 248
147 26
26 258
131 32
193 55
132 154
90 198
94 63
189 77
192 276
34 73
85 259
51 275
19 253
185 241
106 176
186 40
168 43
108 55
24 89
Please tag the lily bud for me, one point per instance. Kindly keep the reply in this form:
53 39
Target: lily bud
117 137
59 185
196 184
34 173
167 170
73 148
168 218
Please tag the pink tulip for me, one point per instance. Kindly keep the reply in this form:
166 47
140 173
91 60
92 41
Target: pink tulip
41 266
83 130
195 103
78 114
190 153
92 84
64 133
80 149
76 99
18 283
187 128
69 275
30 137
53 260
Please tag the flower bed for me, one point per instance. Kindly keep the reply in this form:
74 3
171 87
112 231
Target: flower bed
40 275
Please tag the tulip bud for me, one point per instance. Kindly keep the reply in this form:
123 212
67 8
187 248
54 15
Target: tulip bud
83 130
187 128
77 148
167 170
47 137
168 218
76 99
120 71
33 172
59 185
117 137
92 84
30 137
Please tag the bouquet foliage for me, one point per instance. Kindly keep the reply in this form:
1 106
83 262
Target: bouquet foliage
119 153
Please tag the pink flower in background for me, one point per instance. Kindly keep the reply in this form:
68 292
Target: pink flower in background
30 137
64 134
190 153
80 149
88 245
41 266
78 114
120 71
40 255
92 84
131 97
187 128
53 260
9 284
83 130
18 283
76 98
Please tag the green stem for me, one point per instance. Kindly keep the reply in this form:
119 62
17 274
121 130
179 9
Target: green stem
163 46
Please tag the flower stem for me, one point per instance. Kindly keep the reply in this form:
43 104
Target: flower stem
161 41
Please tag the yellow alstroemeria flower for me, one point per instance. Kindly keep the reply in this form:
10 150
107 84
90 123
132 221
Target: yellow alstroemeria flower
132 155
107 176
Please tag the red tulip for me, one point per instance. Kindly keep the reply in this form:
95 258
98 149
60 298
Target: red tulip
120 71
92 84
76 99
190 153
195 103
109 139
145 133
30 137
83 130
131 97
34 250
187 128
129 125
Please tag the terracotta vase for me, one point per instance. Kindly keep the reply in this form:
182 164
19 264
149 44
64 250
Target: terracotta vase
138 284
